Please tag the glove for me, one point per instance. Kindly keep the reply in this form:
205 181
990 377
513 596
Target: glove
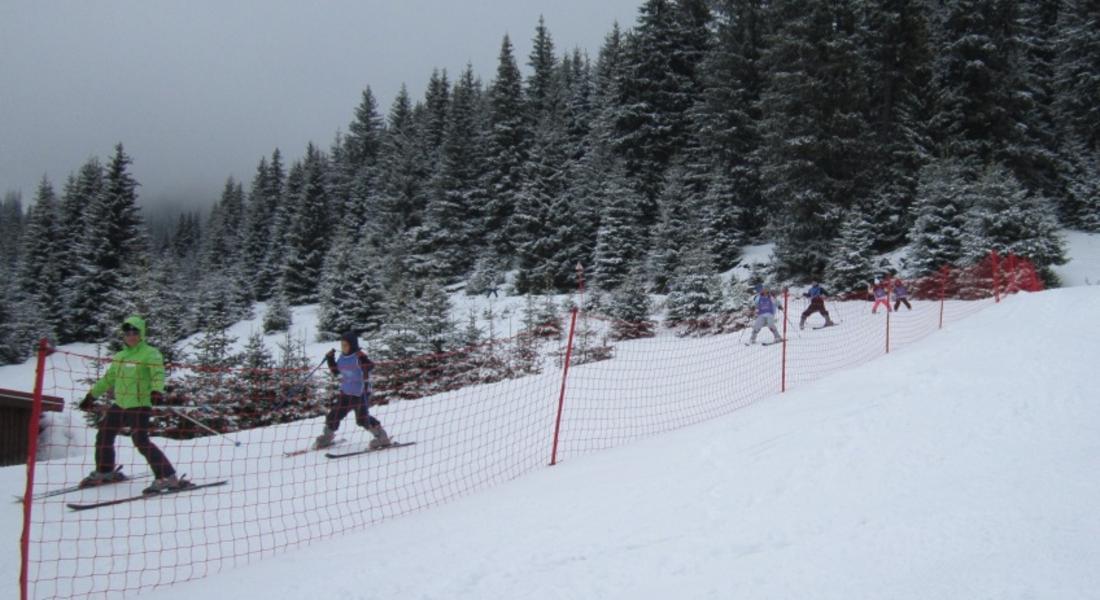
157 398
331 354
87 403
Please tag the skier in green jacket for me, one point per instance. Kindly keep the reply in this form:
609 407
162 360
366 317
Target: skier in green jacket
136 377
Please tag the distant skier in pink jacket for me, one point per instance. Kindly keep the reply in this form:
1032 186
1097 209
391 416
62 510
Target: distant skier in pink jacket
878 290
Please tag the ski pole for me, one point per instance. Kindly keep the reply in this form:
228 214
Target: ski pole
298 387
203 426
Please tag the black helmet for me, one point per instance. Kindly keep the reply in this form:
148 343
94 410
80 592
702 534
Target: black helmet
352 339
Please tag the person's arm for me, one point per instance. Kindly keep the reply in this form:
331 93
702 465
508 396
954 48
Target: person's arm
365 365
330 360
156 377
156 372
105 383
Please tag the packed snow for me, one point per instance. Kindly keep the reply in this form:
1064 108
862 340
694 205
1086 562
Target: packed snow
960 466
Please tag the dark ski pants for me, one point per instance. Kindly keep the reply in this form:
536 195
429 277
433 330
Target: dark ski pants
346 403
817 305
901 301
136 420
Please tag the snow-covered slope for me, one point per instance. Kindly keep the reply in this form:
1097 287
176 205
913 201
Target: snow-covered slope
961 466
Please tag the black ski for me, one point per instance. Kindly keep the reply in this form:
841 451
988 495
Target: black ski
368 450
773 342
824 326
192 487
78 487
312 449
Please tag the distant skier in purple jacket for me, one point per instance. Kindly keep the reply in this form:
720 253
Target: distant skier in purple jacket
901 295
765 307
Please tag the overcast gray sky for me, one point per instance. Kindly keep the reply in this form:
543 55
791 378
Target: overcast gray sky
198 90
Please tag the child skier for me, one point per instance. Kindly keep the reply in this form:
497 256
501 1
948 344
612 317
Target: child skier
816 294
765 307
881 296
353 367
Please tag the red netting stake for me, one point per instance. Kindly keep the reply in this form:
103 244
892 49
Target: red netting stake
995 264
889 290
783 369
32 450
564 377
944 272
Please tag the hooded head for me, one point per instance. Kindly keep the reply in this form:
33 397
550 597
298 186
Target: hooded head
353 341
135 322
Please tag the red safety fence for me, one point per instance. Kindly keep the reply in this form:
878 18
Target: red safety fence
478 417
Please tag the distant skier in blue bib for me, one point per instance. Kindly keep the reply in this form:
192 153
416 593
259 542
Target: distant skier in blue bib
765 308
353 367
816 294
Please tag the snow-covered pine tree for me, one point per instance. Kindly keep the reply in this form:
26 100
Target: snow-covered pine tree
850 267
12 347
308 236
727 118
661 83
817 141
11 229
506 149
620 237
299 396
111 253
943 197
1078 72
221 250
403 173
437 105
268 222
81 190
38 272
165 303
1008 219
543 215
676 229
695 302
899 56
256 384
432 319
211 381
985 109
278 316
630 306
364 140
452 231
350 295
1083 190
1034 154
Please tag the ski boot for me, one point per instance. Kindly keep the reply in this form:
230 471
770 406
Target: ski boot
101 478
325 440
166 484
381 438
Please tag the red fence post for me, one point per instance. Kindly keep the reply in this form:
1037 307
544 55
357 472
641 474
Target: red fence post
944 272
1012 274
889 290
783 369
32 451
564 377
995 265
